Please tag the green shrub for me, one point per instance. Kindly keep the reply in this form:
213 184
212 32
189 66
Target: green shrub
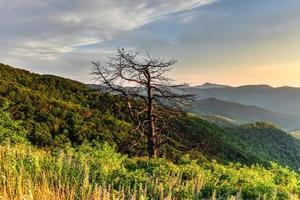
10 130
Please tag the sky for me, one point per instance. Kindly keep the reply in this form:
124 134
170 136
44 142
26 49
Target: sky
233 42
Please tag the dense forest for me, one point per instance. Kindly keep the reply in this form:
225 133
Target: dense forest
51 124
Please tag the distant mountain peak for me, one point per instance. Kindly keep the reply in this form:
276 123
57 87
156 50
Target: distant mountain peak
209 85
259 86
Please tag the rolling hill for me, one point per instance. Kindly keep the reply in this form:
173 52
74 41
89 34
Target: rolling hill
267 141
258 142
245 113
280 99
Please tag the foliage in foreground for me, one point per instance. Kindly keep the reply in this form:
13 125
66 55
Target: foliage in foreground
100 173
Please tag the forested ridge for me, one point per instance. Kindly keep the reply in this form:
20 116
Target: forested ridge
57 111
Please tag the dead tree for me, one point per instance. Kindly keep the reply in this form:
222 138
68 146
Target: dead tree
151 98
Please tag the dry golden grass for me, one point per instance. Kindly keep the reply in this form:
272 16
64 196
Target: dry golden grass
33 174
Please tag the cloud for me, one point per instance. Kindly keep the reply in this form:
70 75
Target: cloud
48 28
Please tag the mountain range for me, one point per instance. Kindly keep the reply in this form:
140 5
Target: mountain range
244 113
249 103
279 99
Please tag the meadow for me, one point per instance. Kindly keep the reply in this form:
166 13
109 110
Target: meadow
99 172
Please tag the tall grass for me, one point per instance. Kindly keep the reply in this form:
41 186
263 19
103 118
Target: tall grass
27 173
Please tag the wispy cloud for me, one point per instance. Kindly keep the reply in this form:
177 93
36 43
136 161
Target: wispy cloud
48 28
208 37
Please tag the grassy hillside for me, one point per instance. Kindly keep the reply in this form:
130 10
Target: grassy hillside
245 113
57 112
100 173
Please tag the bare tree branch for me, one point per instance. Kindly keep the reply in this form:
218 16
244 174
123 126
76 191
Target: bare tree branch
143 81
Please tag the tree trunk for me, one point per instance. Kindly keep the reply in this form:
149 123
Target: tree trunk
151 133
151 147
151 127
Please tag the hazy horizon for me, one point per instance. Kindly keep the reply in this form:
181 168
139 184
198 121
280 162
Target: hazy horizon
231 42
91 81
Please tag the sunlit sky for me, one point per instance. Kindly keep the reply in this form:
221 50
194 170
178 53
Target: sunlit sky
234 42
